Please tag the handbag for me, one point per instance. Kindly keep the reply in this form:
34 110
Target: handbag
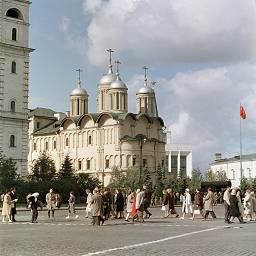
197 211
165 208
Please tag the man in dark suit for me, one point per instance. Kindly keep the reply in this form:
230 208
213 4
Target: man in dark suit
14 200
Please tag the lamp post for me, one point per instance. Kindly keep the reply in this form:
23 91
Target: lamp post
142 140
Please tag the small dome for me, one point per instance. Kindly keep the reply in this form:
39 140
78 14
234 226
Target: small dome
146 89
107 79
79 92
118 84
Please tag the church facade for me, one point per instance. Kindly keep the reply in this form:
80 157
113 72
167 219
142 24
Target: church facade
111 137
14 72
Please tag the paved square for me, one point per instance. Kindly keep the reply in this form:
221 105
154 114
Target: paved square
157 236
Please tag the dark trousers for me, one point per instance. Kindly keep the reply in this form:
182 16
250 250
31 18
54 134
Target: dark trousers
13 212
34 214
212 214
96 220
227 211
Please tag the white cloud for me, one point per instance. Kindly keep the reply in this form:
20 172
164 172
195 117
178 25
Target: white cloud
92 6
202 108
173 31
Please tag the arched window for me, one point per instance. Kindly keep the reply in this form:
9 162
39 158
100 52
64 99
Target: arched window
14 13
14 67
54 144
90 140
67 142
13 106
14 34
46 145
12 141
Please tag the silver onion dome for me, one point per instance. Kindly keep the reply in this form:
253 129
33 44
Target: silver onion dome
107 79
146 89
118 84
79 92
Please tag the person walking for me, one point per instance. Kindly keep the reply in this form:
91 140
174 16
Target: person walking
51 203
134 212
96 207
208 204
240 204
14 201
88 203
34 203
71 205
234 209
198 204
226 197
7 207
253 204
129 203
58 200
186 204
119 204
165 203
248 206
139 205
172 209
146 201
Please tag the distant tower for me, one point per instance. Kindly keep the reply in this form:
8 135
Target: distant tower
14 74
118 94
103 87
78 99
146 100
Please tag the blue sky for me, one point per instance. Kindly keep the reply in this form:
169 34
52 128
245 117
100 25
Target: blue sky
202 55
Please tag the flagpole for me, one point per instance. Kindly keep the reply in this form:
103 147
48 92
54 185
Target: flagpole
241 166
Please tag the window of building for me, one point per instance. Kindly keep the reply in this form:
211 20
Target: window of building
14 13
90 140
117 100
88 164
144 162
14 67
79 165
67 142
12 106
107 163
249 173
34 146
12 141
174 164
46 145
134 161
14 34
163 163
37 125
233 174
54 144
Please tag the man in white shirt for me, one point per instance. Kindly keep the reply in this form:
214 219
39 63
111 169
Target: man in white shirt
226 198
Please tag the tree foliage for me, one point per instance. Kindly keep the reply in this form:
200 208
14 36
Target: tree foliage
8 174
66 171
43 169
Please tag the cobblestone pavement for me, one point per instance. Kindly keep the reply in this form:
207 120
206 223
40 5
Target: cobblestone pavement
157 236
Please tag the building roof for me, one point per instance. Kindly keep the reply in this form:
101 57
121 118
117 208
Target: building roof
248 157
42 112
55 125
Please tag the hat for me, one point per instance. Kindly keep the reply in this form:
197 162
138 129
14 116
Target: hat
36 194
187 190
233 192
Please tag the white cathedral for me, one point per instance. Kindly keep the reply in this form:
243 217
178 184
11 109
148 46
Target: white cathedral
98 142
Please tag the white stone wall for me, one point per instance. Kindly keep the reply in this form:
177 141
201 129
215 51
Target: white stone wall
232 170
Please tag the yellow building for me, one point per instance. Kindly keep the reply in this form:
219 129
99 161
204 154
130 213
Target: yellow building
97 142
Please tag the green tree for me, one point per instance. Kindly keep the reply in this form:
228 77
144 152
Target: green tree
118 178
196 179
8 174
244 184
253 184
85 181
209 176
43 169
221 176
159 181
66 171
147 178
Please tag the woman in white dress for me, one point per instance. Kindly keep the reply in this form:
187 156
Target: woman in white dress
129 203
187 204
248 205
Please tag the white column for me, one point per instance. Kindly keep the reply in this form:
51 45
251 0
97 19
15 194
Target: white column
170 162
189 164
178 164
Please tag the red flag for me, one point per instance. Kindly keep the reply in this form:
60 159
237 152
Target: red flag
242 112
